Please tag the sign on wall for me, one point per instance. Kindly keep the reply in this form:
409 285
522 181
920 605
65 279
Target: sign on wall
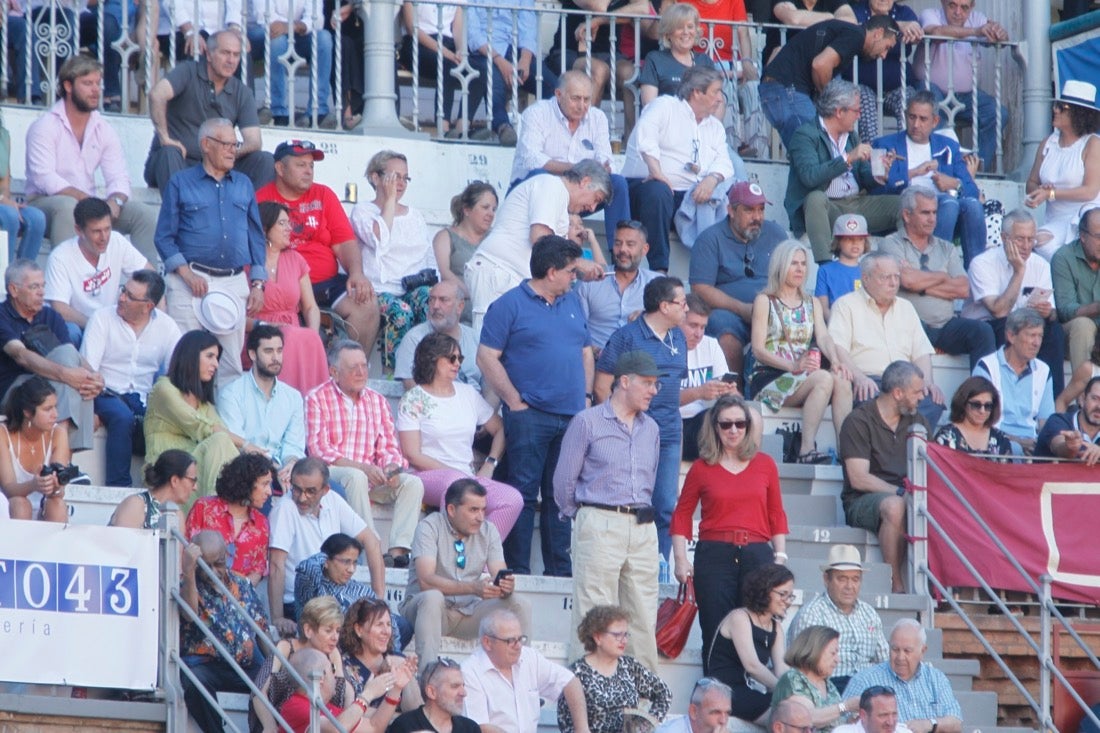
78 605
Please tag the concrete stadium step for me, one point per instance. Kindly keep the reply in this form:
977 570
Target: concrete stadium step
814 541
797 478
810 510
787 417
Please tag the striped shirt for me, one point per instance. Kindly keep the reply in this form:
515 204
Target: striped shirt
927 694
602 461
862 641
357 429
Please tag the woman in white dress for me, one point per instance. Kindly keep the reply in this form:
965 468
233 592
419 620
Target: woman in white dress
1066 172
395 245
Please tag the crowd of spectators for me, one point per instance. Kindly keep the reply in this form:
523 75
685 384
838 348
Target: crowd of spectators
275 450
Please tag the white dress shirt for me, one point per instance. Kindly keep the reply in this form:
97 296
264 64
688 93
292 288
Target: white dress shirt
129 362
544 136
669 132
513 706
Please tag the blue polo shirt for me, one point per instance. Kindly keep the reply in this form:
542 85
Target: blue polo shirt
541 347
214 223
720 259
671 357
12 328
1017 417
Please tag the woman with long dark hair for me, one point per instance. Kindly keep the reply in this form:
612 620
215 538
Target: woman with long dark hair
31 439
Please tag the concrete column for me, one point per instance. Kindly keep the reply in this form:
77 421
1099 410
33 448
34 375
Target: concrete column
1037 80
380 95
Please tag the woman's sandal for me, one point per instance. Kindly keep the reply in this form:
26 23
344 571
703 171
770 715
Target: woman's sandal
815 457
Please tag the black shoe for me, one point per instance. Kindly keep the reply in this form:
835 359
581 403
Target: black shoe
281 120
395 561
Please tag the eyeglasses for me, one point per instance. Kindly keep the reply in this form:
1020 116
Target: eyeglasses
750 257
618 635
511 640
455 358
1025 240
799 728
130 296
226 145
980 406
193 479
693 166
347 562
924 262
1087 233
705 683
682 303
310 492
728 424
460 554
784 595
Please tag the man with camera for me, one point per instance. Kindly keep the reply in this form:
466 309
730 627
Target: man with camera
604 481
459 575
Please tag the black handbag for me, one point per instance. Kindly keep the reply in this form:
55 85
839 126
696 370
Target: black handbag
40 339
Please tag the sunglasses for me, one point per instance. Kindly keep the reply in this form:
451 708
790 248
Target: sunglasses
924 263
303 145
455 358
981 406
460 554
727 424
750 257
628 224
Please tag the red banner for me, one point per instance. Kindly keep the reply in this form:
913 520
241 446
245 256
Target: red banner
1046 514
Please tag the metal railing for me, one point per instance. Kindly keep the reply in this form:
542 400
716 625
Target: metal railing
130 45
922 521
172 666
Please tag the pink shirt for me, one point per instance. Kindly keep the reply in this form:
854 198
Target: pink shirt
964 53
362 430
55 160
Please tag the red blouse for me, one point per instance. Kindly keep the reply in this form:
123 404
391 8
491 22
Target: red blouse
250 556
750 500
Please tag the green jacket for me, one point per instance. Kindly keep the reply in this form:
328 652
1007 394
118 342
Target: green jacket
813 166
1075 283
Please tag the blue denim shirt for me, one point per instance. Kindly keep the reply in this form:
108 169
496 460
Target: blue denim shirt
478 31
214 223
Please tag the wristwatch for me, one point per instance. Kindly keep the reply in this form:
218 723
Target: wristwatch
257 285
935 724
119 200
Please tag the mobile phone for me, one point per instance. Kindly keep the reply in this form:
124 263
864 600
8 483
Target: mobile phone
502 574
730 377
393 471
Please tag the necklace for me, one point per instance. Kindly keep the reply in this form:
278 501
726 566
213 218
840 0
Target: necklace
666 341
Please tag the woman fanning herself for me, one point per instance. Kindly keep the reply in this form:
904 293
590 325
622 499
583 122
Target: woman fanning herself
788 339
743 524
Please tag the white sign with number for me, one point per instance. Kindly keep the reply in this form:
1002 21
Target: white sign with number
78 605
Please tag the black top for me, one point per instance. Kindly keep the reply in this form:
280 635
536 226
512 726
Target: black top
762 11
750 697
416 720
12 328
792 65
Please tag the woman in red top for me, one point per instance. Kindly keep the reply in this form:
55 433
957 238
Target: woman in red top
742 510
243 487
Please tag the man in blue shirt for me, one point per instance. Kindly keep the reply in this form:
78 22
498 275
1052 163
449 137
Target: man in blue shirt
534 353
729 266
926 702
208 231
613 300
657 332
261 409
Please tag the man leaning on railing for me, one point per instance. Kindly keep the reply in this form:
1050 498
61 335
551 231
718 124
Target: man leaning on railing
217 612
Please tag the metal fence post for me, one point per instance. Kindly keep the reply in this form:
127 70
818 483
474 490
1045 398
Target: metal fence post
170 621
1046 653
916 441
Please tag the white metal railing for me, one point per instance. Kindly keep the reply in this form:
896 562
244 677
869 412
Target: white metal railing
130 45
922 521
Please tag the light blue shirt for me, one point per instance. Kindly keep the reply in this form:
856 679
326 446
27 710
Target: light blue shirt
482 22
277 425
927 694
1018 417
606 309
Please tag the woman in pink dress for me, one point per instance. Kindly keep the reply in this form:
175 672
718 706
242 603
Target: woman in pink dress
288 293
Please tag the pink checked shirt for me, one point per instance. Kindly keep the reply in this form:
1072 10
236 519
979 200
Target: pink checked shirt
362 430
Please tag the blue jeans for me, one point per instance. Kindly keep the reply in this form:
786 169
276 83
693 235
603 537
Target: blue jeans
786 108
117 413
303 47
33 226
966 215
987 120
112 60
963 336
534 442
501 90
665 490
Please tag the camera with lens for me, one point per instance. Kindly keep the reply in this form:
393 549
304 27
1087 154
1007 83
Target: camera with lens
426 277
65 474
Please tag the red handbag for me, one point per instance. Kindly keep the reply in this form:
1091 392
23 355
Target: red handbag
674 619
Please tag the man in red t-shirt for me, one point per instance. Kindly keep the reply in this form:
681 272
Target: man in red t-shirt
322 234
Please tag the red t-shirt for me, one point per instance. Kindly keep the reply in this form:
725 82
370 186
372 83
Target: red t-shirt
750 500
317 222
296 711
723 34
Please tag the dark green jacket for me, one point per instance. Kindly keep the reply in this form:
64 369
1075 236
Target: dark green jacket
813 166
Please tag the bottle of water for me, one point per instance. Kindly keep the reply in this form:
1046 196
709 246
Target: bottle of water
663 572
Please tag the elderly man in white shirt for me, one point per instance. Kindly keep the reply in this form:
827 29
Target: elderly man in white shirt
505 680
129 345
678 146
558 132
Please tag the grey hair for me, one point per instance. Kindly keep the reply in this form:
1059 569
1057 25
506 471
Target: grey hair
1016 216
593 170
910 194
780 263
898 375
1022 318
17 271
837 94
696 79
574 75
488 625
707 684
210 124
870 261
912 625
676 15
341 345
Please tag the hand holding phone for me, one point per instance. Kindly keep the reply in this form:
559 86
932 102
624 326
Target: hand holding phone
502 574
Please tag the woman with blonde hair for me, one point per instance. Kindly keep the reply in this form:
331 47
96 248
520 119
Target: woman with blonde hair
743 524
789 338
678 31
